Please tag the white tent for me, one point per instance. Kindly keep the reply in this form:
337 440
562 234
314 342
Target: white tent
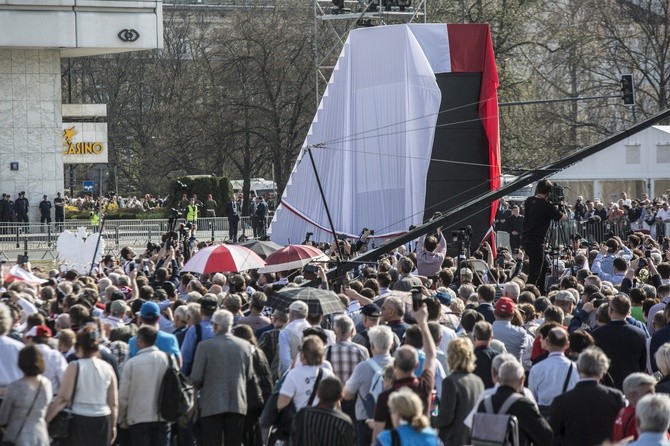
637 165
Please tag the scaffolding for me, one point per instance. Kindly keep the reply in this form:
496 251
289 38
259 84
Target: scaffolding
332 25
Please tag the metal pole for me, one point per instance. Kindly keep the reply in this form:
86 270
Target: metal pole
325 204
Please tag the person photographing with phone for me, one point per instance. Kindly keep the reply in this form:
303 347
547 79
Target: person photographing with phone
539 213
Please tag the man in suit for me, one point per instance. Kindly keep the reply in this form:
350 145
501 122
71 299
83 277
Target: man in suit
233 214
221 369
261 216
485 296
624 344
585 415
533 429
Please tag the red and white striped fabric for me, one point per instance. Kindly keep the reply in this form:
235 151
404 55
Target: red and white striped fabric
373 135
223 258
20 274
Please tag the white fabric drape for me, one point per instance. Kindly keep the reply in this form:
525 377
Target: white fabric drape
374 129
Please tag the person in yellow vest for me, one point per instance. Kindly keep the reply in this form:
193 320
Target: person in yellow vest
95 220
192 211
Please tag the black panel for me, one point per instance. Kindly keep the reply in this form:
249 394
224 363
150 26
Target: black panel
459 136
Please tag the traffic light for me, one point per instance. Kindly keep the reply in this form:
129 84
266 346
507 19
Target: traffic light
627 89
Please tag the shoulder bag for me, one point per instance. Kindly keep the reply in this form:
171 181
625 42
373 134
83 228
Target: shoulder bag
18 434
59 426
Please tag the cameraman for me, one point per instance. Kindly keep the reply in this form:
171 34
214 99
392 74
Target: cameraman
538 215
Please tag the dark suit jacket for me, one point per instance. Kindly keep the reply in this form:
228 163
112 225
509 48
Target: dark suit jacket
459 394
533 429
626 347
232 212
657 339
486 310
585 415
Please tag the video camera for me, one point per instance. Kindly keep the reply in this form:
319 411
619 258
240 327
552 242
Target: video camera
556 194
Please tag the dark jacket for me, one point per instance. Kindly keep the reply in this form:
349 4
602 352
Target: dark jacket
484 357
460 391
663 386
533 429
486 310
626 346
657 339
585 415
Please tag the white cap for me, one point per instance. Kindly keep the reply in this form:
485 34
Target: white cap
299 307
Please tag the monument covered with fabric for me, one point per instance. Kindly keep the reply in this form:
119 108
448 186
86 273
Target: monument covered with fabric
408 126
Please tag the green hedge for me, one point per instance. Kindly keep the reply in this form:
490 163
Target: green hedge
122 214
219 187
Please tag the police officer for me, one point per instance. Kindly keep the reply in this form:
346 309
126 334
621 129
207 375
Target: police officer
59 204
45 211
95 220
261 216
21 207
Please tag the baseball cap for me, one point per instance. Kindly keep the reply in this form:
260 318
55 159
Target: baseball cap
208 303
565 296
505 306
299 307
39 331
444 298
150 310
371 310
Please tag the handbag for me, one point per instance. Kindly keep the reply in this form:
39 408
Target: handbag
59 426
18 434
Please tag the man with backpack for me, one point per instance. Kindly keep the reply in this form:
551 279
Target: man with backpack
509 401
367 381
139 391
198 332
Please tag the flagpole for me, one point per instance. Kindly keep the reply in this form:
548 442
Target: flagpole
325 204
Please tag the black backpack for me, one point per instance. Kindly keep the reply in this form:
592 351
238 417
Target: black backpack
176 397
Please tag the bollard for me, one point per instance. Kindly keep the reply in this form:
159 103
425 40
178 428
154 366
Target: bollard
49 236
116 235
211 227
18 237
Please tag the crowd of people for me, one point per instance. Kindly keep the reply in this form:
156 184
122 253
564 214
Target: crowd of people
424 351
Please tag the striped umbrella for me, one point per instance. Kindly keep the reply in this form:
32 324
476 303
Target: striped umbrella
292 257
223 258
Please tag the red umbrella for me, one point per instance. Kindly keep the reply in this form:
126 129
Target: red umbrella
223 258
292 257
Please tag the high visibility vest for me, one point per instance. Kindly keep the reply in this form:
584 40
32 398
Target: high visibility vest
191 212
94 220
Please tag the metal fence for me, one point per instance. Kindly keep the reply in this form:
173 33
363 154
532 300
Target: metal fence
596 232
42 239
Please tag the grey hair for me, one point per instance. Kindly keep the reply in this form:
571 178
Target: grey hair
653 413
511 290
344 325
193 311
103 284
219 279
223 319
465 291
636 380
5 319
181 312
382 337
593 362
510 373
63 321
500 359
65 287
662 357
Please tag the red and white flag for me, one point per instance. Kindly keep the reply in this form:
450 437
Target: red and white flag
20 274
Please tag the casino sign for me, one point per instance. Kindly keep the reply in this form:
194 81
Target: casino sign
84 142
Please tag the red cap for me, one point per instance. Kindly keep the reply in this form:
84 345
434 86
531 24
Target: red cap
39 331
505 306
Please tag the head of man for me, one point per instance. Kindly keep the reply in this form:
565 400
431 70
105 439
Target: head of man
511 290
330 391
504 309
381 340
557 340
566 301
371 314
543 188
486 293
637 385
406 360
146 336
653 413
482 333
511 374
149 313
593 363
297 310
222 321
392 309
619 307
311 351
405 265
430 243
344 328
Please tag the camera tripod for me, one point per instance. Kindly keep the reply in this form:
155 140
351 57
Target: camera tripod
557 239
